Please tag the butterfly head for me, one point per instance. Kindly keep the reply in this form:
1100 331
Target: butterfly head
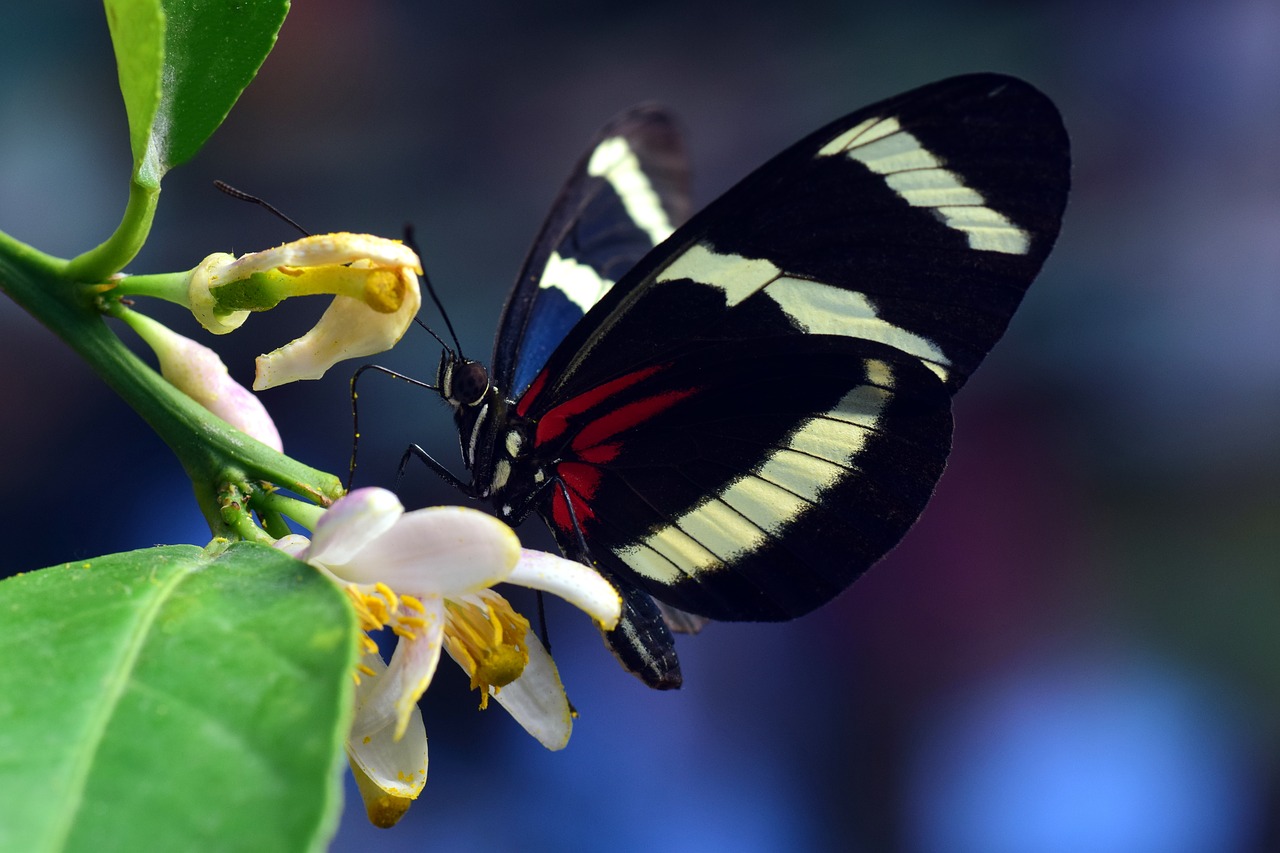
462 382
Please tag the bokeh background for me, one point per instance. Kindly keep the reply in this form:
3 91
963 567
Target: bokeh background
1078 646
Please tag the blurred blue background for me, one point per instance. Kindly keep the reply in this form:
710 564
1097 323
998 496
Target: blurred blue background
1078 646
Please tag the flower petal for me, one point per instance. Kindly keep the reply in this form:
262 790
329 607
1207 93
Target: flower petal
353 522
392 696
396 765
383 808
536 700
198 372
349 328
342 247
444 550
294 544
578 584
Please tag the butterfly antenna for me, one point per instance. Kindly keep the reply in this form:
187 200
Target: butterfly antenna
413 244
432 332
224 187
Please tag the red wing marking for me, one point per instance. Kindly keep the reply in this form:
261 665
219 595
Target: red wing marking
591 446
625 417
556 421
526 400
600 454
581 482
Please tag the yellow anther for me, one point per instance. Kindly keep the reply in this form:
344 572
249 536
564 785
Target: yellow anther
386 592
413 603
369 619
413 621
403 632
371 610
495 625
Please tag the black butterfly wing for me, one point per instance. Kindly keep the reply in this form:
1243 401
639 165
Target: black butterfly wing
753 479
918 222
759 410
627 193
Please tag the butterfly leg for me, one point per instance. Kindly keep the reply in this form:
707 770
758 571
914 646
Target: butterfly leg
355 411
441 471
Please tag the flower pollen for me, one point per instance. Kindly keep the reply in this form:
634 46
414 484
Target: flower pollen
384 290
488 640
380 609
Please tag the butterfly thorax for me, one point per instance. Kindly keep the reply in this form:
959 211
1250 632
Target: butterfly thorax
495 441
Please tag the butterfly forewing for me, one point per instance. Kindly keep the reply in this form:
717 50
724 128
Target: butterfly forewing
918 222
627 194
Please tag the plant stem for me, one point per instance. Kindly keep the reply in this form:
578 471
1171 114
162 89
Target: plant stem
169 286
110 257
304 513
211 451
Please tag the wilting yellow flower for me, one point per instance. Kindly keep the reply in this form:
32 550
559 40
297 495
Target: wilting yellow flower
374 282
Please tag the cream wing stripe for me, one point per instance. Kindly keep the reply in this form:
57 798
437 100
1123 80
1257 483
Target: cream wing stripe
818 308
614 161
740 518
580 283
919 178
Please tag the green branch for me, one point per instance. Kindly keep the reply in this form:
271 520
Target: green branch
108 258
210 450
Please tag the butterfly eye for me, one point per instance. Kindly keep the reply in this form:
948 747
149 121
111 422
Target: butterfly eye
470 383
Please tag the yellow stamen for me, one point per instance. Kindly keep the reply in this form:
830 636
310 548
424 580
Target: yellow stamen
489 643
380 609
385 591
366 607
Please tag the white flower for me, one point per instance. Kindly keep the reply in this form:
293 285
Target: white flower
375 287
199 373
427 575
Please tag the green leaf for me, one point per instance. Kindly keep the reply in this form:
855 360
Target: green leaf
166 699
137 34
183 64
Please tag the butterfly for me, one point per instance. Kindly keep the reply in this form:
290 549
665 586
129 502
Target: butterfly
733 417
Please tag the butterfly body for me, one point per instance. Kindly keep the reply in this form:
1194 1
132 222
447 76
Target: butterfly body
739 414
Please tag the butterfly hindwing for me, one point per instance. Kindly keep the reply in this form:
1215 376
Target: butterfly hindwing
627 194
761 511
